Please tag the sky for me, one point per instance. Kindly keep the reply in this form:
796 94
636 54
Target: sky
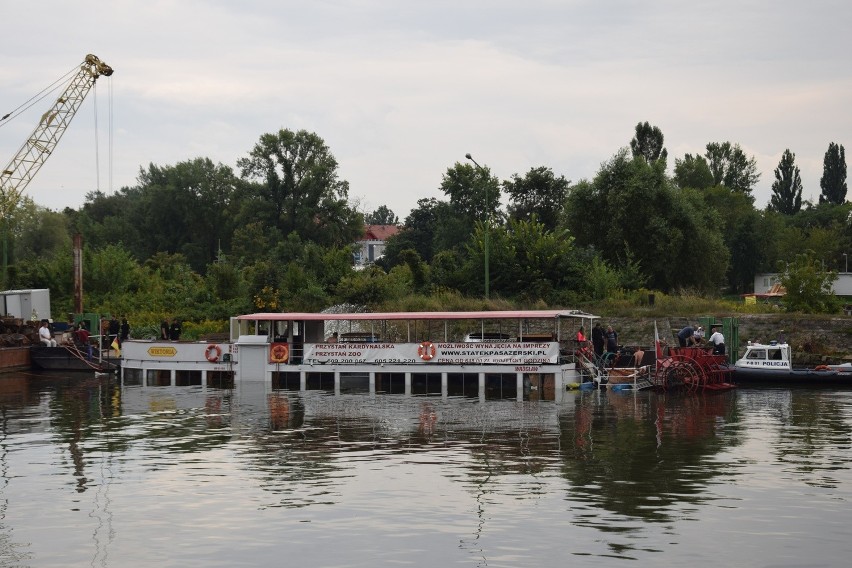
401 90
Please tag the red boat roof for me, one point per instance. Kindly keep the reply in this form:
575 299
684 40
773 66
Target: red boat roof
504 314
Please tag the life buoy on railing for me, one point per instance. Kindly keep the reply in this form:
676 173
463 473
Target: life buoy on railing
426 350
279 353
213 352
822 368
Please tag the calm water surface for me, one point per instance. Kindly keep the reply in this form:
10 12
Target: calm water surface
92 474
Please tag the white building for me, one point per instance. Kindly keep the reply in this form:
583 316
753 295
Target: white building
371 246
768 282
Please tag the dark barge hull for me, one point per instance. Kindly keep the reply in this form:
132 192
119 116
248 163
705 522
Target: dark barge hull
64 359
795 377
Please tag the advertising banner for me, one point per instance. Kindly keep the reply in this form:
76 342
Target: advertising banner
433 352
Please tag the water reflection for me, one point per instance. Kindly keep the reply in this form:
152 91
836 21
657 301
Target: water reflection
649 457
629 468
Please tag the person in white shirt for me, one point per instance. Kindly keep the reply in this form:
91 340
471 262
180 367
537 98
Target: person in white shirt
718 341
45 336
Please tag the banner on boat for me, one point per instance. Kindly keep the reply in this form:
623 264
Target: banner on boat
433 352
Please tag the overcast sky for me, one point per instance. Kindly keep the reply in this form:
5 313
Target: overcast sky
400 91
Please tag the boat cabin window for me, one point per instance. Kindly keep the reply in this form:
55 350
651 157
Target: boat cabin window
487 336
358 337
756 354
775 354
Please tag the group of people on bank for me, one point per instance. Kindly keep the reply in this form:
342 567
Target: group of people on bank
606 340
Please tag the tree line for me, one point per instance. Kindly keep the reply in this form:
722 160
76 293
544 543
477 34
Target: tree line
200 240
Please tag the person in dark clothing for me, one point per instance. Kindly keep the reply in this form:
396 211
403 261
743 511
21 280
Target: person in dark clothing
611 340
125 331
114 328
686 336
598 339
174 330
164 329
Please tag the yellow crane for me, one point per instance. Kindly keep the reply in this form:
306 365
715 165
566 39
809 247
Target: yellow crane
23 167
15 177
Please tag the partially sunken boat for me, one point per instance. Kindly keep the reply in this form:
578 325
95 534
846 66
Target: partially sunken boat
524 354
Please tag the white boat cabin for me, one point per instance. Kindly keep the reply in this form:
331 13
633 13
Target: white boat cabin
775 356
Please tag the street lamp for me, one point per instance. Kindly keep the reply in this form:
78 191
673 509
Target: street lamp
487 222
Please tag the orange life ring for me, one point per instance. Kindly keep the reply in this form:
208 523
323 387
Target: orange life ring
426 350
279 353
213 352
822 368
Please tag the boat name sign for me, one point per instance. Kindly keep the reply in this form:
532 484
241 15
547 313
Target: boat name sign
162 351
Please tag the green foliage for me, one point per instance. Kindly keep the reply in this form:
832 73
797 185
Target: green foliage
372 286
474 193
297 189
833 180
539 195
808 286
195 330
602 280
693 172
632 205
731 167
648 143
381 216
787 187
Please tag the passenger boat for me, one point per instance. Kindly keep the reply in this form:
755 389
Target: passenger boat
771 363
525 354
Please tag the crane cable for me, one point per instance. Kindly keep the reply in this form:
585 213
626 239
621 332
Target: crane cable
38 97
109 138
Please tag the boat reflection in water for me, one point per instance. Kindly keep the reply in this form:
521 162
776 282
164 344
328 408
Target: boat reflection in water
401 477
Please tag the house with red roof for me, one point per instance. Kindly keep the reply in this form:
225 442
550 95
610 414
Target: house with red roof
371 246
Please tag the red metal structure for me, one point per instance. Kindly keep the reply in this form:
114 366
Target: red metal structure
692 368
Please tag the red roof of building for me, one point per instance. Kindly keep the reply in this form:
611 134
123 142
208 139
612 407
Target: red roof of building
379 232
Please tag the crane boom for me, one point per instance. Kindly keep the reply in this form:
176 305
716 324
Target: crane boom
15 177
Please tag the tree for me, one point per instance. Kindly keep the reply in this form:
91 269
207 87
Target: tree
648 143
693 172
474 193
809 288
740 228
730 167
787 187
632 213
185 209
431 227
833 181
381 216
539 193
297 188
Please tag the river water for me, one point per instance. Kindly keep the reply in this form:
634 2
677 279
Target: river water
93 474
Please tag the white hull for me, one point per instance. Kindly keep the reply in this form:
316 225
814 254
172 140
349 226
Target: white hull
455 369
